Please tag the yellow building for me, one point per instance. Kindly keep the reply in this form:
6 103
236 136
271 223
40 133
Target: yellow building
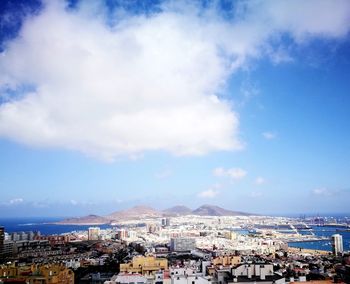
233 236
144 265
35 274
223 261
227 260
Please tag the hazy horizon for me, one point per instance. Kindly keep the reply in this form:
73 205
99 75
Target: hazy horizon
105 105
266 213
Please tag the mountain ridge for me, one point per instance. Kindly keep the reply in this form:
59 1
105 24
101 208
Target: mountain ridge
213 210
139 211
84 220
142 211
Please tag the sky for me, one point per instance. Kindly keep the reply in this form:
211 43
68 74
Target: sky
109 104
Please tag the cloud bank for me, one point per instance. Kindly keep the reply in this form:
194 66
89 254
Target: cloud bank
211 192
146 82
233 173
16 201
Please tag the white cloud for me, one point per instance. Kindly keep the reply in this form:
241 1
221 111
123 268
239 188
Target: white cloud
149 82
16 201
324 192
219 172
146 84
73 202
210 193
269 135
260 181
248 91
256 194
233 173
298 17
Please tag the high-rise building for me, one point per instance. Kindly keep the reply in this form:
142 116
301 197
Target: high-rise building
23 236
166 222
337 243
2 239
122 234
14 237
31 235
93 233
152 228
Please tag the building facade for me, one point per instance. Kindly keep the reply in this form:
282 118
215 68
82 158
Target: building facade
2 240
144 265
93 233
337 243
182 244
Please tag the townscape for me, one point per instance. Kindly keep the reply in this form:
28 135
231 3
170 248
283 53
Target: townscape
178 249
174 141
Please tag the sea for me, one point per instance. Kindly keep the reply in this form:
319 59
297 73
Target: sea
45 227
325 231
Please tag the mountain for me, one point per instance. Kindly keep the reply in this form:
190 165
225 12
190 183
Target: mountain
85 220
141 212
177 210
212 210
137 212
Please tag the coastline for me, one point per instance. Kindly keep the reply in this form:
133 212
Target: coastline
309 251
77 223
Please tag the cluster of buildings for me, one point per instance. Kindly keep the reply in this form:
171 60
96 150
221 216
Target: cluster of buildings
177 250
24 244
223 270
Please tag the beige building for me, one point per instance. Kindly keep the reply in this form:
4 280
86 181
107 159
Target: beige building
144 265
227 260
93 233
223 261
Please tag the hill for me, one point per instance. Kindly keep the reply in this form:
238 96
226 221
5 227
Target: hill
213 210
136 212
177 210
142 212
85 220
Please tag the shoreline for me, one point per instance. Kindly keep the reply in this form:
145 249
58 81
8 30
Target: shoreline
310 251
321 239
75 224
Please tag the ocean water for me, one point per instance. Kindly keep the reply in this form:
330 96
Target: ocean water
325 245
41 224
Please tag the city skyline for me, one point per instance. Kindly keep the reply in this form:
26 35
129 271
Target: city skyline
112 104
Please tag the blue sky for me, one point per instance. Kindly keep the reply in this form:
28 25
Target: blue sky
109 104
